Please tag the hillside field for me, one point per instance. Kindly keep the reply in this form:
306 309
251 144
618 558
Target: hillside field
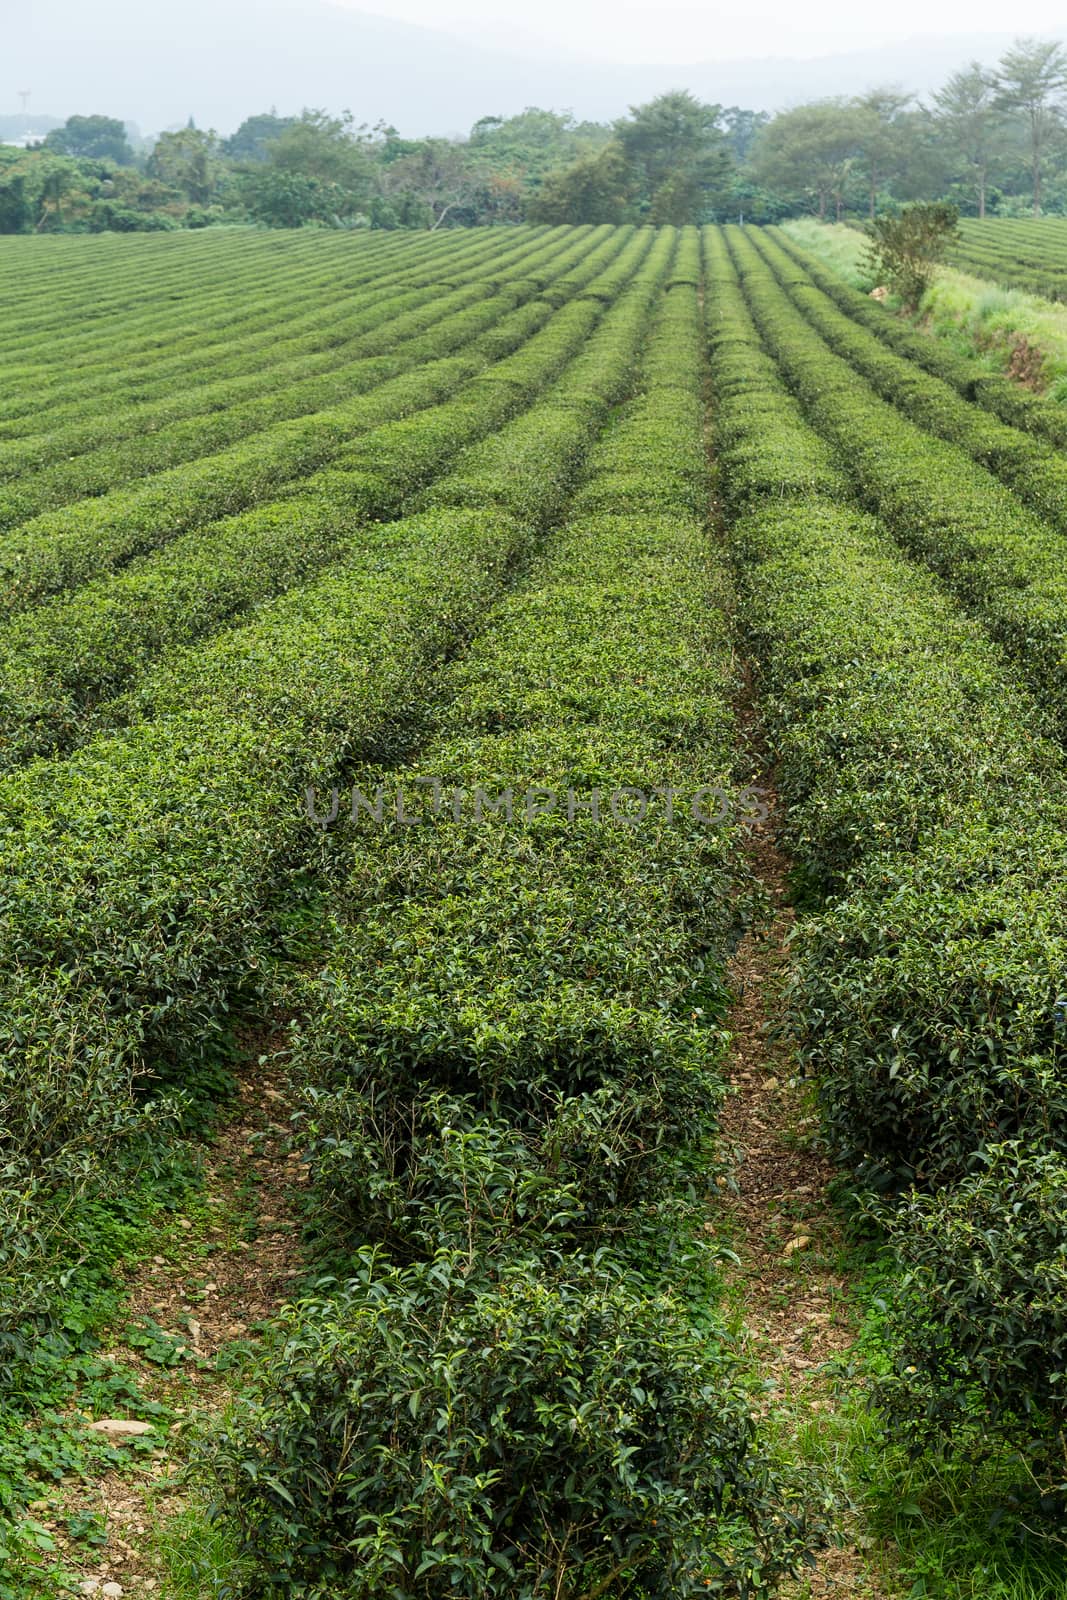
435 669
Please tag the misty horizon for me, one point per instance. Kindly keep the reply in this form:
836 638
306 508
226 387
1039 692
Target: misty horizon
421 80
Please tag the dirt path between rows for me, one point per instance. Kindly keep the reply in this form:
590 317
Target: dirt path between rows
791 1288
218 1275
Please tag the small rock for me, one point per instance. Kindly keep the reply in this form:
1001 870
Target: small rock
113 1591
800 1243
90 1586
183 1222
121 1427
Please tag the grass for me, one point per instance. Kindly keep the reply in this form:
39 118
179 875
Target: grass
65 1378
198 1556
956 1525
840 247
1001 323
1006 329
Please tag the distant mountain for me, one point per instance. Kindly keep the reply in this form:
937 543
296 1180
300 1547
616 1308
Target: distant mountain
220 60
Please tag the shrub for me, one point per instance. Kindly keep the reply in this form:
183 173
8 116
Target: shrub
904 248
530 1436
978 1325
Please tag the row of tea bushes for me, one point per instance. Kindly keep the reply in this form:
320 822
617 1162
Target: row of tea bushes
519 1023
143 878
1030 466
64 361
994 391
369 335
1027 253
69 336
62 549
266 329
927 814
1001 560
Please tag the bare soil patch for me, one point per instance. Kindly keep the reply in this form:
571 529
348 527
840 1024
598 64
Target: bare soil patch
791 1285
218 1276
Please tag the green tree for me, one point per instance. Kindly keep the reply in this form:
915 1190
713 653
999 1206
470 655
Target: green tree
741 127
879 133
678 156
1031 79
291 199
331 149
904 249
436 175
970 118
187 161
16 211
512 157
61 193
255 136
95 138
808 152
595 188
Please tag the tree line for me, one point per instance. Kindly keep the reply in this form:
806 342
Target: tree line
991 140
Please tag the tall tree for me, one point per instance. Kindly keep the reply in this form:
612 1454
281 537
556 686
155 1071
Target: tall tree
678 155
329 148
253 139
809 152
595 188
93 138
741 127
1031 79
187 161
879 135
969 116
436 174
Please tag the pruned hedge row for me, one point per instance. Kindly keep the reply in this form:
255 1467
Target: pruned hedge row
763 449
443 324
73 353
112 466
368 343
995 554
927 813
137 878
519 1023
977 1323
68 341
1031 467
248 342
1020 252
992 390
140 878
548 698
537 1433
61 549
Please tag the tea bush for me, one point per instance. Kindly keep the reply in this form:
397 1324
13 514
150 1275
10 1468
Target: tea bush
533 1435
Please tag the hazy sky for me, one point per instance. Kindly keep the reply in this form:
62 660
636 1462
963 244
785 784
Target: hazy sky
156 62
680 30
